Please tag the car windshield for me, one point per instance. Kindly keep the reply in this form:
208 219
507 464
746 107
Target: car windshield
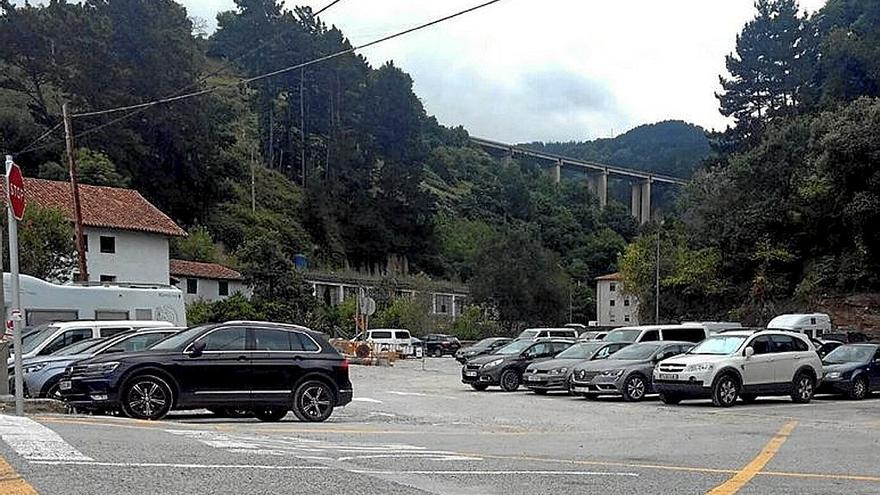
35 337
528 334
515 347
80 347
719 345
589 335
178 340
623 336
850 354
580 351
484 343
636 352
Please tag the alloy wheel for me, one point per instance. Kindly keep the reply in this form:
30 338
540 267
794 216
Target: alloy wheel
859 389
805 388
315 401
146 398
635 388
728 391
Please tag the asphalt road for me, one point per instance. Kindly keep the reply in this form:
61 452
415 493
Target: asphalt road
414 431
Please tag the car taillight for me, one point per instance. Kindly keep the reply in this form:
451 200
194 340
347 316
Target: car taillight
344 365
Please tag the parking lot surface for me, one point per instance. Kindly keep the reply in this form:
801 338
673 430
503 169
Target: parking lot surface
413 431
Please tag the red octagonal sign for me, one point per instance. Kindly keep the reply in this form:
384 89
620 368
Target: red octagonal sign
15 183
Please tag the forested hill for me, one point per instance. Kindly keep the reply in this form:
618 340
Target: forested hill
671 147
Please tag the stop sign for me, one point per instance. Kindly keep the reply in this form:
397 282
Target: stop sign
15 191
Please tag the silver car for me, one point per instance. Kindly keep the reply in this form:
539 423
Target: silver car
41 374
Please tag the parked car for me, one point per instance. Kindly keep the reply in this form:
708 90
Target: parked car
51 337
853 370
267 368
824 347
846 337
506 365
544 333
485 346
742 363
593 335
438 345
627 373
555 374
651 333
42 374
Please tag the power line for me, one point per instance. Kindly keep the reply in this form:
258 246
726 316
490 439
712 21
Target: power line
42 136
334 2
172 99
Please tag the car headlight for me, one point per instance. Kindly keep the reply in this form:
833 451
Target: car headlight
691 368
612 373
102 368
33 368
492 364
558 371
833 375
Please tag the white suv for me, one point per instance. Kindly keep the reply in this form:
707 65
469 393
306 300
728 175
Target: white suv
743 363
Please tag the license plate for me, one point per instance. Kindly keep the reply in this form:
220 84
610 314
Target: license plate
672 377
581 389
470 373
64 385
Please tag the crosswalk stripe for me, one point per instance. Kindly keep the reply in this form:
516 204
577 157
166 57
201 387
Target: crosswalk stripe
34 441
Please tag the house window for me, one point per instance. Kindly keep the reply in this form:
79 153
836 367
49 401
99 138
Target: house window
108 279
625 317
613 287
192 286
626 302
108 244
443 304
223 288
611 318
612 303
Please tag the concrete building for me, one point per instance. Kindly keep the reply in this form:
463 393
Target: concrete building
614 308
127 238
206 281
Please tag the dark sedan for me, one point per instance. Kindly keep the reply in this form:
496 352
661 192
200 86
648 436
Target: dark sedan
505 367
485 346
853 370
555 374
438 345
266 368
628 373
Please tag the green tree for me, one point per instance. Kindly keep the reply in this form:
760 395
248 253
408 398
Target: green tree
45 244
93 168
197 246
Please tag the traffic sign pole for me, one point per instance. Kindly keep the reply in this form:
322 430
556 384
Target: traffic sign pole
15 310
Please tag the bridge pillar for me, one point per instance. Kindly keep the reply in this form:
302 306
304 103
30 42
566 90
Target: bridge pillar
599 187
556 172
640 201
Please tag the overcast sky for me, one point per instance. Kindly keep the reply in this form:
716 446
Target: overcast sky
524 70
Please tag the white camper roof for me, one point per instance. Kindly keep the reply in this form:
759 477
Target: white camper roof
799 320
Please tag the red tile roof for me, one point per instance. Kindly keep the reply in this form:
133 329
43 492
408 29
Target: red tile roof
611 276
103 207
197 269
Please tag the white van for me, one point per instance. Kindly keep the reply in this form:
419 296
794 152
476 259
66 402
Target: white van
649 333
50 337
814 325
541 333
388 339
43 302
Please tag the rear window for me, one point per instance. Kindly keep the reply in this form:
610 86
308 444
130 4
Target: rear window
684 334
380 335
302 342
651 336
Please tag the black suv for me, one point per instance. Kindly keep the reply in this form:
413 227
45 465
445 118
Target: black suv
438 344
265 368
506 365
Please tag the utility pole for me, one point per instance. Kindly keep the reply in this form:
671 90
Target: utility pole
302 125
74 189
657 284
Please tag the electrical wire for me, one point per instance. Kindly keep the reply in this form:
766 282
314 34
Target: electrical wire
334 2
42 137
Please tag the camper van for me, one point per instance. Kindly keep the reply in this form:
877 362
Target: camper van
813 325
44 302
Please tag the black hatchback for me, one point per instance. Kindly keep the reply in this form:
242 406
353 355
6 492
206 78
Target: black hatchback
266 368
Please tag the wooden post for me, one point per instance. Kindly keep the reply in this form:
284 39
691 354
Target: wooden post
74 190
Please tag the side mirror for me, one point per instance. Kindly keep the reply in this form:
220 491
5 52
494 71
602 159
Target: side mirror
749 352
197 349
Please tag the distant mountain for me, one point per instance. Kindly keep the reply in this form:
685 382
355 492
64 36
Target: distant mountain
671 147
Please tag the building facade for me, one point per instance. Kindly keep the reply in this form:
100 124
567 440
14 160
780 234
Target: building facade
615 308
206 281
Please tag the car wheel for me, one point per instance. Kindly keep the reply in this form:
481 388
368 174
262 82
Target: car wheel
146 397
53 392
634 388
804 388
725 391
479 386
859 389
539 391
509 381
313 401
670 399
438 353
270 414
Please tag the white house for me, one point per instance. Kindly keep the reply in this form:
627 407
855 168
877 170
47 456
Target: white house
127 238
206 281
614 308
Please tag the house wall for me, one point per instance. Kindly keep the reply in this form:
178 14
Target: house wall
139 257
625 308
209 289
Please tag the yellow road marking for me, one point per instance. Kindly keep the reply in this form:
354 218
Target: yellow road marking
11 483
739 480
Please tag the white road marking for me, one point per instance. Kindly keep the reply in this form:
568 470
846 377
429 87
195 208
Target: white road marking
434 456
34 441
366 399
495 473
182 465
419 394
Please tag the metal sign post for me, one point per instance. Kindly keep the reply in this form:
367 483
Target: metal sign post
14 213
